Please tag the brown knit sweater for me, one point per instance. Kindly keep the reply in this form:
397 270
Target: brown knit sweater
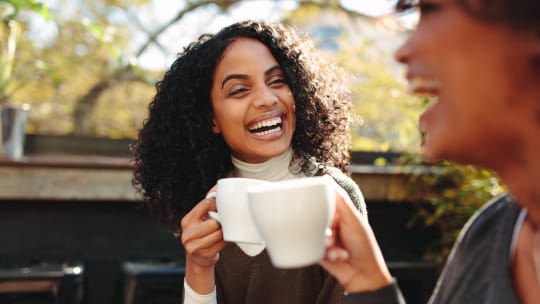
253 280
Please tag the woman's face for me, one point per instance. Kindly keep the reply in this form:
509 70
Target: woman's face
253 105
479 76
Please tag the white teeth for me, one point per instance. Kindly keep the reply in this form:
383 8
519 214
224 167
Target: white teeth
278 129
423 85
266 123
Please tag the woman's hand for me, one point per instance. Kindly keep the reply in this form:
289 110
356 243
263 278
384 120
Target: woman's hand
353 256
202 238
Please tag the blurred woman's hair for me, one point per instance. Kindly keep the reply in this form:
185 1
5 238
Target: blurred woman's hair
515 13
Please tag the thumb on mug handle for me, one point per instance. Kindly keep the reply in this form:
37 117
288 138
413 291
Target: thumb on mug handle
214 215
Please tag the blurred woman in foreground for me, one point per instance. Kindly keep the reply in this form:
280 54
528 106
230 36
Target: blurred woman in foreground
480 60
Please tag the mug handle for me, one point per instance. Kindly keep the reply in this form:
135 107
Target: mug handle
213 214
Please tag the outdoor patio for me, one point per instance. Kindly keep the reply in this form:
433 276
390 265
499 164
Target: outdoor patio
67 211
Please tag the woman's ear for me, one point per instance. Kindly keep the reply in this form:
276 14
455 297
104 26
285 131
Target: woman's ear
215 126
535 52
527 41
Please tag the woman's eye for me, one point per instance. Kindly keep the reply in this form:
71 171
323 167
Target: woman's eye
237 91
277 81
427 7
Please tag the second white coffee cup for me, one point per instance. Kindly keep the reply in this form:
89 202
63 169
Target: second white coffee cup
293 217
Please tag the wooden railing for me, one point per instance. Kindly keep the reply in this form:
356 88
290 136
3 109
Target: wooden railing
66 207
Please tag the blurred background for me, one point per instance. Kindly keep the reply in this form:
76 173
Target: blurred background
89 67
85 71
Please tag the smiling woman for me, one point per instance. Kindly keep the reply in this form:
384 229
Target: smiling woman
479 60
255 100
253 108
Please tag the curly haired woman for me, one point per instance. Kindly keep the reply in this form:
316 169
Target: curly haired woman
255 100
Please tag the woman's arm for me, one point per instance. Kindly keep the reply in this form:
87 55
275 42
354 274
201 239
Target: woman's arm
353 256
202 239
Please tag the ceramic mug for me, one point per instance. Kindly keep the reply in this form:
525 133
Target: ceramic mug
234 215
293 217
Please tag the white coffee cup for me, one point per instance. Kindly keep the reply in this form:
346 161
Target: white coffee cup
234 215
293 217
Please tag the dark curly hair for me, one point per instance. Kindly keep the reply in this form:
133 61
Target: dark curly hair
178 158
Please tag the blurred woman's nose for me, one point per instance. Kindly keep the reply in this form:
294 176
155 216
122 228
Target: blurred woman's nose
403 53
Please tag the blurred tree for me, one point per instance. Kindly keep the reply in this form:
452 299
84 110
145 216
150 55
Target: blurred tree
76 67
86 80
364 46
10 32
86 64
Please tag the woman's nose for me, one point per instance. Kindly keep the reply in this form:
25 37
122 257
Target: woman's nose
266 97
403 53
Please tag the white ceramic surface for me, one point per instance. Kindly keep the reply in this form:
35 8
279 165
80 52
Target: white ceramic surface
251 249
292 217
234 215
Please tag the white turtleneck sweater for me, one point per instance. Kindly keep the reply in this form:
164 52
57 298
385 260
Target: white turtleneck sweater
274 169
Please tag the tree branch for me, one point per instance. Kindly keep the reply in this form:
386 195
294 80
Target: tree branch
191 6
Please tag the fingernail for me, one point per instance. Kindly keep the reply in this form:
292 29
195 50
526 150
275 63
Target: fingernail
343 255
332 255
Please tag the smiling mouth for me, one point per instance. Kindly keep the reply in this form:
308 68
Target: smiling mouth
266 127
423 86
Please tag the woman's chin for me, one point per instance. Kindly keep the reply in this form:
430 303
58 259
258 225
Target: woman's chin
431 154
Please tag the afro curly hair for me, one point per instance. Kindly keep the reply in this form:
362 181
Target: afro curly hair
177 157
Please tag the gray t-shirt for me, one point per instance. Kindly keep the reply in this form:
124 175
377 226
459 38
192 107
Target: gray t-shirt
479 268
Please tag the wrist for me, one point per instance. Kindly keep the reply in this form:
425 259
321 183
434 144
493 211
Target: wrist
360 283
200 278
192 297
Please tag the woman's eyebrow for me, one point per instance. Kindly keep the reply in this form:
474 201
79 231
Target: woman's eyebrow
243 76
233 76
272 69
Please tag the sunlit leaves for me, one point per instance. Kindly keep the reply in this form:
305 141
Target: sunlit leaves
10 9
455 193
365 50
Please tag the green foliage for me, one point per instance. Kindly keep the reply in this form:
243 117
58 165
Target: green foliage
10 31
90 50
10 9
83 54
454 193
389 114
123 122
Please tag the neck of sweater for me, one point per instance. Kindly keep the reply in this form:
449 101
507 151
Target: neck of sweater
274 169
